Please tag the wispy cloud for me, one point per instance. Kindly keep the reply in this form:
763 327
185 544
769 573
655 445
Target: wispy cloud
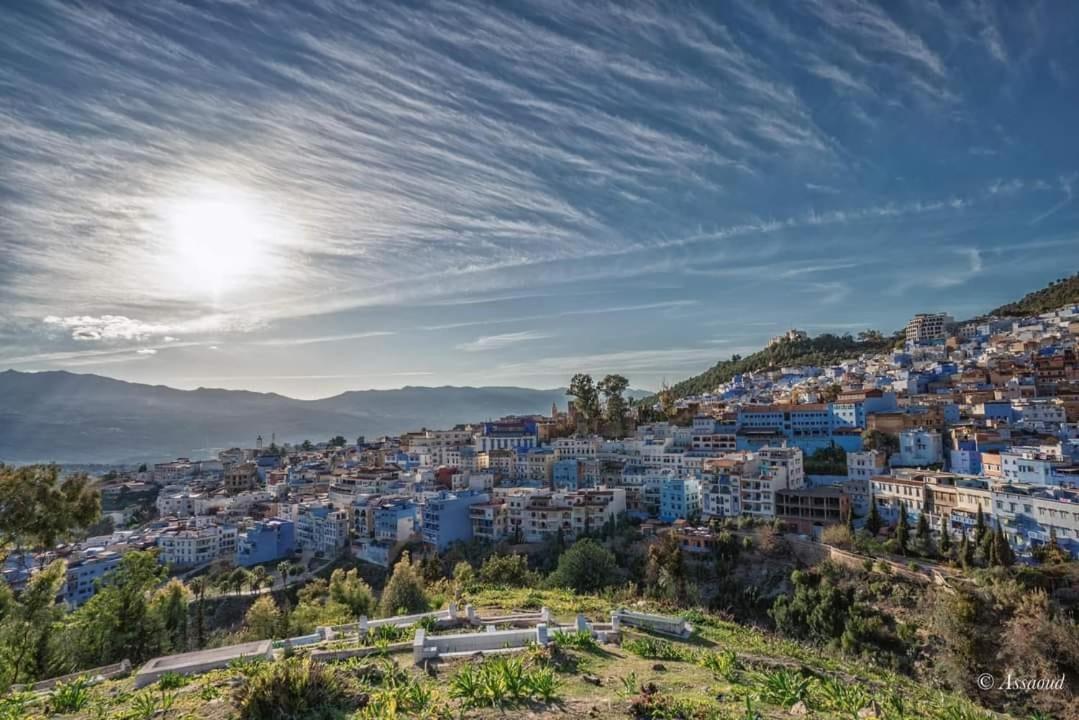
290 341
497 342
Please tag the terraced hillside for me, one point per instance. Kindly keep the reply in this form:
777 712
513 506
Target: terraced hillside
723 670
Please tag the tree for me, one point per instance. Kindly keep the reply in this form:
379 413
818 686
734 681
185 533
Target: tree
404 591
585 401
263 619
1002 550
586 567
966 552
38 509
283 569
198 588
307 446
945 536
979 526
170 603
667 398
873 523
850 522
117 622
507 571
922 532
237 579
338 441
349 589
259 578
877 440
665 570
902 530
27 626
464 577
612 387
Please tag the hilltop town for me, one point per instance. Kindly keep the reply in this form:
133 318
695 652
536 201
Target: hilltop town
943 460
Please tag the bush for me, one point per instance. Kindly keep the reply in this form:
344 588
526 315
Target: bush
722 664
171 681
587 567
579 640
291 689
507 571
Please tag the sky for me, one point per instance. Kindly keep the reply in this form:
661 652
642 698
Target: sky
312 197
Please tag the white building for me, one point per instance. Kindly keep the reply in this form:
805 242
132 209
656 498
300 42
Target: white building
918 448
191 546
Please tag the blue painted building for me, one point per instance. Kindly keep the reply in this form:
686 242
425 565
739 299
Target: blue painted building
395 521
679 498
446 518
266 541
567 474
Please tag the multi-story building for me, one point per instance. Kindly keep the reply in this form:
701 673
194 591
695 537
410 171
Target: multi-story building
196 545
1031 515
395 520
490 520
567 474
265 541
240 478
779 469
321 527
680 499
809 510
721 482
928 328
446 517
85 574
919 448
866 465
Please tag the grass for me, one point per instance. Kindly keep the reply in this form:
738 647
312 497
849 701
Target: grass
291 689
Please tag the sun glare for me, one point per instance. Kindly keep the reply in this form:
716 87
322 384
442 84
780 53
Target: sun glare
219 238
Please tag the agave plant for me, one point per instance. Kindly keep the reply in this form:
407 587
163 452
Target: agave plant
784 687
70 696
842 697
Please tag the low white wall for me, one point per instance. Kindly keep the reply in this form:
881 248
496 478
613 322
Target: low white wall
665 624
425 647
93 675
194 663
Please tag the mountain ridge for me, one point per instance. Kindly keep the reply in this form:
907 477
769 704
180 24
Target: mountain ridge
67 417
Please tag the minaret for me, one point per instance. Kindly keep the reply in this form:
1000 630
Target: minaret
554 410
258 442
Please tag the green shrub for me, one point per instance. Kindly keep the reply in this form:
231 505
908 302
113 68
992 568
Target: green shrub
70 696
783 687
579 640
656 649
722 664
171 681
841 696
13 706
291 689
501 682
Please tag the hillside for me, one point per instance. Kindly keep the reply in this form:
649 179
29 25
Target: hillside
1057 294
72 418
820 350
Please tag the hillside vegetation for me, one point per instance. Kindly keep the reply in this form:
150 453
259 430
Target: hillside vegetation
821 350
1057 294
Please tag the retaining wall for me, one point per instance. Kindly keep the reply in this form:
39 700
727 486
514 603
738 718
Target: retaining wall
193 663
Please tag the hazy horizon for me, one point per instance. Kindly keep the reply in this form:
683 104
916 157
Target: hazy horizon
308 200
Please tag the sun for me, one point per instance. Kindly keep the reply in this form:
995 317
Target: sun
218 239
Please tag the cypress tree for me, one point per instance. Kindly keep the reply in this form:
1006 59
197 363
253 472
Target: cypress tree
922 532
966 552
872 523
945 537
902 531
979 526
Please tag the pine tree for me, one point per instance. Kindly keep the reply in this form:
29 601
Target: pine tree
945 536
873 523
902 530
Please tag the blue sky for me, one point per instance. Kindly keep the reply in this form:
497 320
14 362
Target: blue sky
352 195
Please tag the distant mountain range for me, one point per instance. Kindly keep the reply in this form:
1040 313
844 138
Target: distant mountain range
71 418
